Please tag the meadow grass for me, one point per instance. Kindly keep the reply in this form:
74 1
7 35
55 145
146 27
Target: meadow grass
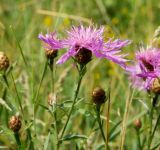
30 82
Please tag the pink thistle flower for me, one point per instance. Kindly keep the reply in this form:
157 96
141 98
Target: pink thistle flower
82 42
51 45
146 69
50 41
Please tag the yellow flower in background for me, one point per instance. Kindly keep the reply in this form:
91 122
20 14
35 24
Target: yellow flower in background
47 21
66 22
115 20
108 33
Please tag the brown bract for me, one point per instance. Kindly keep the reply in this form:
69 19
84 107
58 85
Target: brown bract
137 123
4 61
83 56
15 123
156 86
51 54
98 96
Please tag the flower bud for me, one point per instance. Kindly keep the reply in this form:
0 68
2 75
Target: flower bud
83 56
155 88
51 99
15 123
98 96
137 124
4 61
51 54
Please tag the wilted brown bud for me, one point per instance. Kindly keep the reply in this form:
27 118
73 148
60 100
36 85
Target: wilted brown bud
98 96
15 123
83 56
156 86
4 61
51 54
51 99
137 124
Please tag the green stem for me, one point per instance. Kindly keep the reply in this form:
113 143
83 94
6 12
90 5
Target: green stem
52 68
35 101
154 130
150 131
19 100
100 124
16 135
37 93
138 139
31 144
81 74
5 79
151 135
19 46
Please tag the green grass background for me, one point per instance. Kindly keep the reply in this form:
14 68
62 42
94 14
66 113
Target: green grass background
126 19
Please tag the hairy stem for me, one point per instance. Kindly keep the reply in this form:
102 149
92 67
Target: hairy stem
81 74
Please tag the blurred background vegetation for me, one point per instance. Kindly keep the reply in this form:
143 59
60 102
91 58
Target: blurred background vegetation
126 19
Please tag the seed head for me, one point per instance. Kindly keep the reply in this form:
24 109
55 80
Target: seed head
4 61
138 124
98 96
156 86
15 123
51 54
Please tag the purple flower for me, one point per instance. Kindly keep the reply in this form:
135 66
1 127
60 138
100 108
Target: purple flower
146 68
82 42
50 41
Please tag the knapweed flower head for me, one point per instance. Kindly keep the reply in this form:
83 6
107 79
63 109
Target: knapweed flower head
51 44
83 42
4 61
98 96
146 68
15 123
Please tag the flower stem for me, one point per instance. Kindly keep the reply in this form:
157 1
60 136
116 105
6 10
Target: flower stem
18 97
138 139
5 79
150 131
100 124
81 74
151 134
154 130
52 68
16 135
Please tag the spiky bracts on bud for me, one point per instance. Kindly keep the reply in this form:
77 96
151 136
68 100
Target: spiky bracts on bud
4 61
155 87
15 123
83 56
51 53
137 123
98 96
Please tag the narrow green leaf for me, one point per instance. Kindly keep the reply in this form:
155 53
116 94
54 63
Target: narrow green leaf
114 128
73 137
